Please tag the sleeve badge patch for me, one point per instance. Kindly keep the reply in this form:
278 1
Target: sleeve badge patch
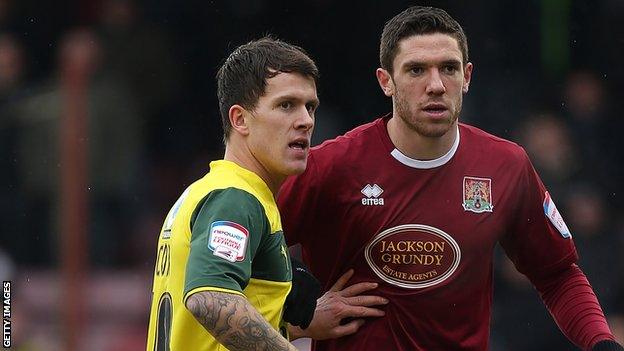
550 210
477 195
228 240
166 232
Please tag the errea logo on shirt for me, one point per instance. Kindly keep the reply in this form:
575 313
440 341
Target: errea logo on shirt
372 193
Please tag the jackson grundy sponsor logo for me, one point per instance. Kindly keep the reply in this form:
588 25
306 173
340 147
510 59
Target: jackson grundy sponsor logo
413 256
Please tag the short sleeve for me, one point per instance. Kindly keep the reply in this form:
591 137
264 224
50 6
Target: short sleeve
297 196
226 230
535 245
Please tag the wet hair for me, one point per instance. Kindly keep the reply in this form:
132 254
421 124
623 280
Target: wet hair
242 78
418 20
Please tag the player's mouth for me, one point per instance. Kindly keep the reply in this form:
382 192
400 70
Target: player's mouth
435 110
299 144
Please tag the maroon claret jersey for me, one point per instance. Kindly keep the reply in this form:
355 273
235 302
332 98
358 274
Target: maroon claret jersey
424 230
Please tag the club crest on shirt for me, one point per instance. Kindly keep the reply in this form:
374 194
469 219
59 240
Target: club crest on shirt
477 195
228 240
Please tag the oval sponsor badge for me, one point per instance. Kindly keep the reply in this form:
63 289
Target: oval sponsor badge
413 256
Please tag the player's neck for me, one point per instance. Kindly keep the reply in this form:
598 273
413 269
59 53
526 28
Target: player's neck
417 146
245 159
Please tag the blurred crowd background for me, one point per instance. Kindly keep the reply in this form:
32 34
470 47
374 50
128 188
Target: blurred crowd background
140 76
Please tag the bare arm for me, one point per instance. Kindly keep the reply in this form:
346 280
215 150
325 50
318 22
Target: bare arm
337 304
234 322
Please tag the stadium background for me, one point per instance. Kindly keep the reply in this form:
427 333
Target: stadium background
138 78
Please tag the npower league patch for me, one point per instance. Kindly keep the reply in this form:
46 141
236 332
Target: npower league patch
228 240
550 210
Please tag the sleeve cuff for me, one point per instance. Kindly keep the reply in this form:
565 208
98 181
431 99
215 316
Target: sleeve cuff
607 345
211 288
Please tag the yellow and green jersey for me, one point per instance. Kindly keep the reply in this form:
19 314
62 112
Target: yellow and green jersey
223 234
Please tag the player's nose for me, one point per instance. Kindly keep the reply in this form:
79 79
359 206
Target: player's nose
305 119
435 85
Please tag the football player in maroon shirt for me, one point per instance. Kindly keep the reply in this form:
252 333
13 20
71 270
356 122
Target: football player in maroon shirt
417 201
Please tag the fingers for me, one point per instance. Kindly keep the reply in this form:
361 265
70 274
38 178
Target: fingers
361 312
366 300
348 328
342 281
358 288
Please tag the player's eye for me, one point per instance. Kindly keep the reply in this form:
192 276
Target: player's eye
449 69
417 70
311 108
285 105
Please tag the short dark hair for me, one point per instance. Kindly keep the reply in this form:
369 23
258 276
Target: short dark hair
243 76
418 20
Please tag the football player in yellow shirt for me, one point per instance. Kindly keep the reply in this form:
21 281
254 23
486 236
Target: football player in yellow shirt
223 271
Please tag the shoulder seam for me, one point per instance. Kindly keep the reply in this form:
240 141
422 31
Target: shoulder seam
202 201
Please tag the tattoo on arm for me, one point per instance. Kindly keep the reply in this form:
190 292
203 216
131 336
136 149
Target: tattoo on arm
234 322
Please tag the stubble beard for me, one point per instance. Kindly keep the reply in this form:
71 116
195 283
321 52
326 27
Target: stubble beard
421 127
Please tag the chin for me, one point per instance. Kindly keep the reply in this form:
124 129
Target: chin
298 170
435 129
295 169
431 130
434 132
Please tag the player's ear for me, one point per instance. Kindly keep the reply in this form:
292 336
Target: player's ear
238 119
385 81
467 77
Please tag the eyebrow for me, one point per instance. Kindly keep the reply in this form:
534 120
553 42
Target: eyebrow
294 97
418 63
452 62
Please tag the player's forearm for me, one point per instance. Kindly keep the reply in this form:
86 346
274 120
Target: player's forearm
574 306
234 322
